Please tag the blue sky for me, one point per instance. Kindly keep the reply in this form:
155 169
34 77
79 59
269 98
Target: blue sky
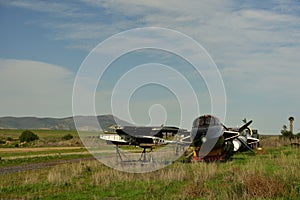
255 45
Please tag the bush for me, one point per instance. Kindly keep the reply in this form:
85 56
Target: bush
67 137
28 136
287 134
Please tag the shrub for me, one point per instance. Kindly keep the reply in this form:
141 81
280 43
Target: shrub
67 137
28 136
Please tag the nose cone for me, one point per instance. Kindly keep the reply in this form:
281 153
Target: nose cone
206 129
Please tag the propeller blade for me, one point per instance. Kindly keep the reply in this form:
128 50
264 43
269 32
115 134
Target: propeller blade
245 126
230 135
245 144
225 127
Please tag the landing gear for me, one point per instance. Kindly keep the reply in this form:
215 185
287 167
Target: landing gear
145 157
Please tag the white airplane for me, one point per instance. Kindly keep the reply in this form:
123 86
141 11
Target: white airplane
144 137
141 136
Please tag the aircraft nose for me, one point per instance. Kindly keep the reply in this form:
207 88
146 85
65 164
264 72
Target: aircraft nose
214 132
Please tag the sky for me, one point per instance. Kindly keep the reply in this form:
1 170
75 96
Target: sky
255 46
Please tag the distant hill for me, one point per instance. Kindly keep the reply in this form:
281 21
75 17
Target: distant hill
87 123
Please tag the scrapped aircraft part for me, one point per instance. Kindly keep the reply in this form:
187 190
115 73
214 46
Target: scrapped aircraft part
245 145
211 139
237 144
245 126
221 154
203 139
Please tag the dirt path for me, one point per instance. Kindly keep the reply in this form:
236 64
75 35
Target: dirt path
44 155
33 166
35 149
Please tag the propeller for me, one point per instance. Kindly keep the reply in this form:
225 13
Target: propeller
245 126
225 127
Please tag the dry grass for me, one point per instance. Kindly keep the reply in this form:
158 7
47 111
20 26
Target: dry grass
277 141
64 174
273 174
262 186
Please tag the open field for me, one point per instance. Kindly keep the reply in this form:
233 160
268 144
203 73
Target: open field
43 134
9 138
272 173
23 156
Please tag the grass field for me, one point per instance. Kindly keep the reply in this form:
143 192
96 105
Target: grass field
272 173
43 134
23 156
10 138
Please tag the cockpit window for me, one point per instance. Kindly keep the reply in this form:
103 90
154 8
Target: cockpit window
209 121
201 121
206 120
196 123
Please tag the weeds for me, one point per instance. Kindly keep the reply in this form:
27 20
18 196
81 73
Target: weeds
272 174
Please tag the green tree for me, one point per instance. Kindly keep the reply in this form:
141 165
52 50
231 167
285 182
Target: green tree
67 137
28 136
284 127
285 133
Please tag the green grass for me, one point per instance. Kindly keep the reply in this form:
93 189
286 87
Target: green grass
44 134
272 174
9 138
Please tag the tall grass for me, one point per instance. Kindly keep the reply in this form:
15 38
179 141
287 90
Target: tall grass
273 174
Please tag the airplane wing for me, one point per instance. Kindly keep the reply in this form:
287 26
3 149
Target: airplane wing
146 135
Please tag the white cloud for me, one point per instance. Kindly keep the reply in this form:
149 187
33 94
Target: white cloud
254 43
57 9
35 89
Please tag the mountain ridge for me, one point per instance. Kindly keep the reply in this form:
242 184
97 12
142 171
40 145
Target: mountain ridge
83 123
